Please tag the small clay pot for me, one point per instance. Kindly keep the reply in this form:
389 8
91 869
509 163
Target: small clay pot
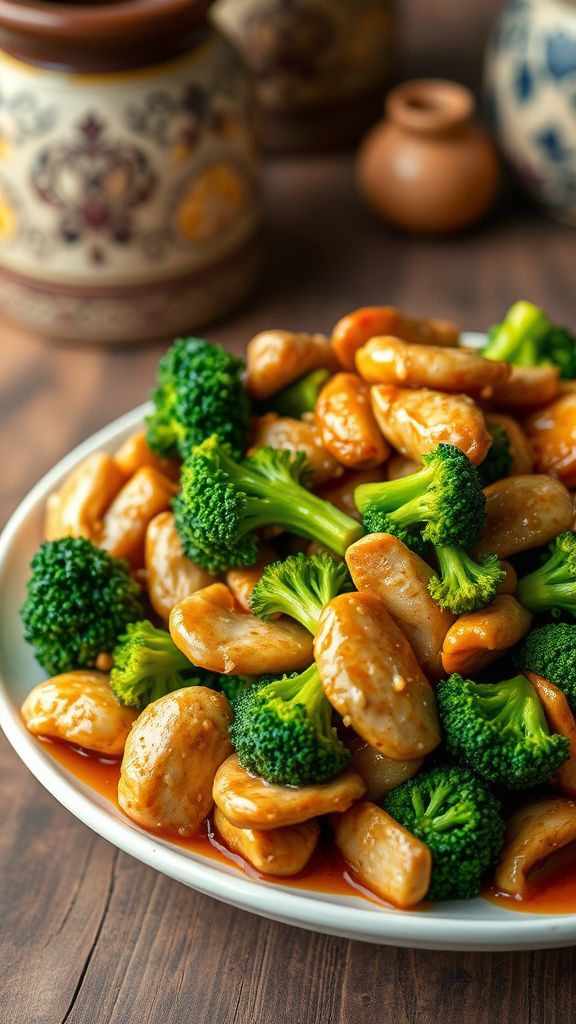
428 167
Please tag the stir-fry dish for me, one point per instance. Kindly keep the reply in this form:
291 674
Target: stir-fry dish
330 590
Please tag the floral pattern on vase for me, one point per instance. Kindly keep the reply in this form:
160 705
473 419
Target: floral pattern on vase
531 92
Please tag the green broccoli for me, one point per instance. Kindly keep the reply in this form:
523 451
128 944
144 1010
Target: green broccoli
527 337
552 587
459 818
79 600
283 731
445 497
299 586
463 584
499 730
147 665
550 651
300 397
497 463
224 502
234 686
200 392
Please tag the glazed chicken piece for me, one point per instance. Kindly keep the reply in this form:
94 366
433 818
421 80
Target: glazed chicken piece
126 520
416 420
277 851
341 492
77 508
552 433
356 328
383 566
560 719
347 425
298 436
371 677
225 640
388 360
524 512
171 576
520 447
249 802
528 387
383 855
534 831
134 453
80 708
277 358
171 758
479 638
243 580
381 774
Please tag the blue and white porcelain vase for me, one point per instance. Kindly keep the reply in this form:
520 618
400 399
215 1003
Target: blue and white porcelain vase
531 89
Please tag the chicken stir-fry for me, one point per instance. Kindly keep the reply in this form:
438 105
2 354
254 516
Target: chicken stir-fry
327 596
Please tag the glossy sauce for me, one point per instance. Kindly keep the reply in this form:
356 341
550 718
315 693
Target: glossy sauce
553 889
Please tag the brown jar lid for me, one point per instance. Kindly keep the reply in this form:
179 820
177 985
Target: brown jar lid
99 35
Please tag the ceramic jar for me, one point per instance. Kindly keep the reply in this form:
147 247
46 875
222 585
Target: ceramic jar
531 88
320 66
129 204
427 166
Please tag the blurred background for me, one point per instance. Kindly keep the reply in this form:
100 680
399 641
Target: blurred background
157 178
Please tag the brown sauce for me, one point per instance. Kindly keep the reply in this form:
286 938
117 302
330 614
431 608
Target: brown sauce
552 890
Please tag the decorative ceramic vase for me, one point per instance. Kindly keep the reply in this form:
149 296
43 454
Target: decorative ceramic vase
320 66
531 87
129 204
427 167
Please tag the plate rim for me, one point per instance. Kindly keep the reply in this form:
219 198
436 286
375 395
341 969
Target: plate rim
508 930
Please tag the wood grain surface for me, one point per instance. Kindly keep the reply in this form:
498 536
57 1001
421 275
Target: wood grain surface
90 936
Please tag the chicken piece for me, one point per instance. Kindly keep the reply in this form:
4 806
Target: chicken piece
478 638
277 358
509 584
399 466
341 492
225 640
383 855
134 453
297 436
387 360
415 421
126 520
356 328
520 447
534 831
528 387
276 851
80 708
249 802
560 719
524 512
243 580
383 566
347 425
171 758
371 676
77 507
381 774
171 576
552 433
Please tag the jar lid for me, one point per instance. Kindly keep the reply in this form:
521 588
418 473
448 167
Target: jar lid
99 35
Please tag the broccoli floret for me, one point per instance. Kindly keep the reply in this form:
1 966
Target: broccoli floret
283 731
80 599
299 586
552 587
224 502
445 497
199 392
147 665
550 651
499 730
527 337
299 397
458 817
497 463
463 584
234 686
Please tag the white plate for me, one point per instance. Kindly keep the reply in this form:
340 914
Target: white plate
474 925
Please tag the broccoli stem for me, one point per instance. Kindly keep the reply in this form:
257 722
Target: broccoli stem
548 586
301 396
391 495
298 511
516 339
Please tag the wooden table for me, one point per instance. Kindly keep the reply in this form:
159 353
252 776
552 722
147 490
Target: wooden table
90 936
